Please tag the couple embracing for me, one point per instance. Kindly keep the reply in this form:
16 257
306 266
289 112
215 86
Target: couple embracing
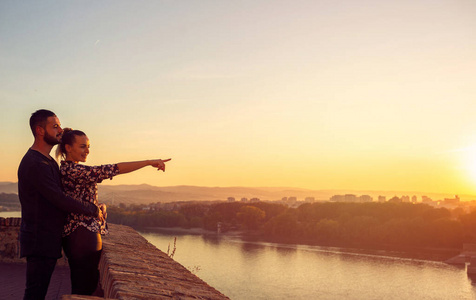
60 206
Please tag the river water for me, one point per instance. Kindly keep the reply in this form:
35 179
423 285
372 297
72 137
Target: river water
244 270
258 270
10 214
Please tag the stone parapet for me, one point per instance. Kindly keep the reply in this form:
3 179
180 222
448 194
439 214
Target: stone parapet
133 268
130 267
10 222
80 297
9 242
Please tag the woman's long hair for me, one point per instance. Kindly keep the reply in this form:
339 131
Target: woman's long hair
69 137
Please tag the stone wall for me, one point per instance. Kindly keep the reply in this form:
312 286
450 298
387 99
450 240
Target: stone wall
9 243
130 267
133 268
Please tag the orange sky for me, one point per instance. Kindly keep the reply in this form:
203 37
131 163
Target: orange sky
312 94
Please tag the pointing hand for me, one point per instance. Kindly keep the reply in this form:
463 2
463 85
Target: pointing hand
159 164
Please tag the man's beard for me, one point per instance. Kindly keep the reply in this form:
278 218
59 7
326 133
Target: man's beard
50 140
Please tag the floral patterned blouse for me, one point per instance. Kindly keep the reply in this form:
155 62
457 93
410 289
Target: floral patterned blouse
80 182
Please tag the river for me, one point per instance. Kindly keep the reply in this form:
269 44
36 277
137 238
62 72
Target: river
259 270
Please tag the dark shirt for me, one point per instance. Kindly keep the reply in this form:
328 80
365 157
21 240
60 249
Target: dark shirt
44 206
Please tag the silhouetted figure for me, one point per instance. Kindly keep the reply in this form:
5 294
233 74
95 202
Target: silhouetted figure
82 241
44 206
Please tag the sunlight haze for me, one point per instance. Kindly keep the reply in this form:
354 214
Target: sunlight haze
358 95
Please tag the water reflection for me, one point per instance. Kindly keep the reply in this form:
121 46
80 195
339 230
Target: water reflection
211 239
10 214
244 270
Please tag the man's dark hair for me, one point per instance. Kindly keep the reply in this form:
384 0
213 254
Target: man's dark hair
39 117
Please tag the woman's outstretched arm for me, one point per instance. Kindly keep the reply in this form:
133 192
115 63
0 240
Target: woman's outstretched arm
126 167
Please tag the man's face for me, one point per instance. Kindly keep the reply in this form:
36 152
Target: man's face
53 131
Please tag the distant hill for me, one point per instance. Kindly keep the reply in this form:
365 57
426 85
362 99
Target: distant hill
8 187
148 194
145 194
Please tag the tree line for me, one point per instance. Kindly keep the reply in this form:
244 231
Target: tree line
370 225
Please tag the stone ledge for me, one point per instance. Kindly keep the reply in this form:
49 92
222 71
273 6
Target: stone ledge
13 222
80 297
133 268
130 267
9 243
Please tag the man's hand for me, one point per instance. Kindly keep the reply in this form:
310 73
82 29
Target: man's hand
103 209
102 212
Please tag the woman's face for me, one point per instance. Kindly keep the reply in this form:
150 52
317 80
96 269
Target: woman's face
79 150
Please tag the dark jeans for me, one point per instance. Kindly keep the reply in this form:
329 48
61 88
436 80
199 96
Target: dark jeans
83 249
38 276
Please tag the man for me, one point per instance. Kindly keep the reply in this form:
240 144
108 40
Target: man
44 205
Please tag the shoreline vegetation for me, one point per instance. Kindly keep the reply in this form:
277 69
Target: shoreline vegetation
427 254
407 230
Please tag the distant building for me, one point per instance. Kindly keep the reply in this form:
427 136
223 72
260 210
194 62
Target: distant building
414 199
254 200
309 199
426 199
395 199
454 200
382 199
365 198
231 199
344 198
289 201
405 199
244 199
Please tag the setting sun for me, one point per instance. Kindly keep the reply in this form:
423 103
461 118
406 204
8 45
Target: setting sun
338 98
470 158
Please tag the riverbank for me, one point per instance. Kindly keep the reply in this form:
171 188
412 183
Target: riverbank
428 254
262 270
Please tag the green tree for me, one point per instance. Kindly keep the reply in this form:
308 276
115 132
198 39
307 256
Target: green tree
250 216
326 231
284 225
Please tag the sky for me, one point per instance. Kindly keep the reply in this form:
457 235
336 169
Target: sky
358 95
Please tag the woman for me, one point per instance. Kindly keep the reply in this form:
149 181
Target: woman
82 242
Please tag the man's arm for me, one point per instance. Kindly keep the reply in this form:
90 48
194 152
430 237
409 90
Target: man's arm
46 184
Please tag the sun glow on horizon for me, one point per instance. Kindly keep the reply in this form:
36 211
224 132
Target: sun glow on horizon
469 157
311 94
